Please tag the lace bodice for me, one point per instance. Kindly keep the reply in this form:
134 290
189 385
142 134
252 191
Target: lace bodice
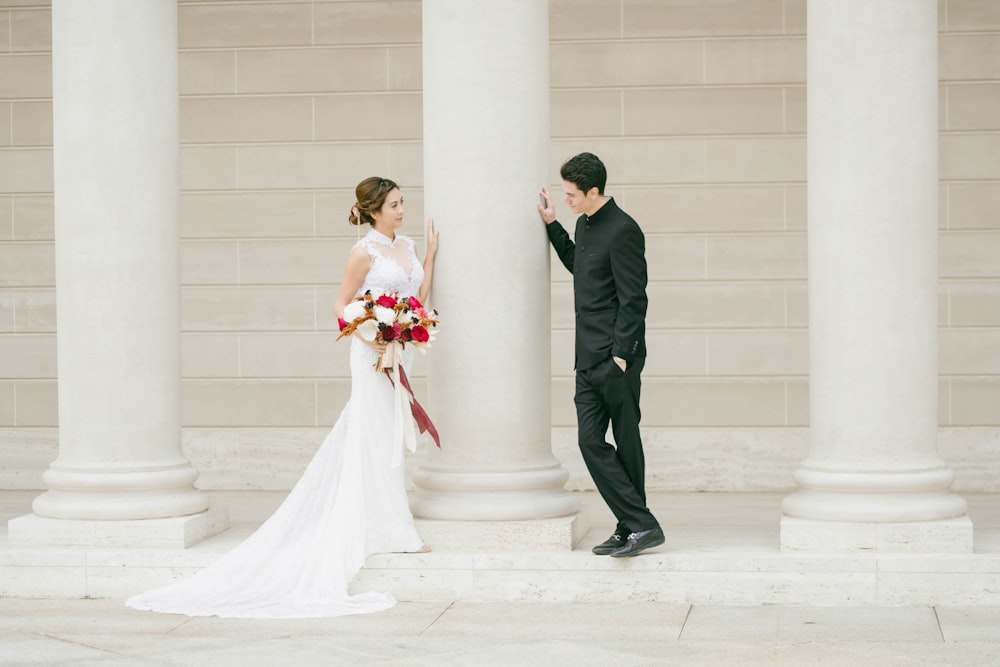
387 275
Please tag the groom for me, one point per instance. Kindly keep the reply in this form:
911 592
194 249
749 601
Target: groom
608 264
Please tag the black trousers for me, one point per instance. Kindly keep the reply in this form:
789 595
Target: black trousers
605 394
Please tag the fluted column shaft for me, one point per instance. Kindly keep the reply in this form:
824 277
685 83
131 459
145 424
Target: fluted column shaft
873 185
115 126
486 150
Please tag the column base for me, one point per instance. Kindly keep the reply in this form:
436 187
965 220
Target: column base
181 532
815 536
159 492
557 534
493 505
518 495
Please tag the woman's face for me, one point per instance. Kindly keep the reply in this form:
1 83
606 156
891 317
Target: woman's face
390 216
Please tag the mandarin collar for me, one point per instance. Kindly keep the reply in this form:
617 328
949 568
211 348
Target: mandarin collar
602 212
382 239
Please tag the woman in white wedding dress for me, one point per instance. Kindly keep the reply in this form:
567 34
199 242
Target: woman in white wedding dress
351 500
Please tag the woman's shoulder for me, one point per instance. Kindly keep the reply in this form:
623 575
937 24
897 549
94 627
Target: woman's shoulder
363 247
408 240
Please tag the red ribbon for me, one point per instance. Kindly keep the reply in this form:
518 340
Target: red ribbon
424 423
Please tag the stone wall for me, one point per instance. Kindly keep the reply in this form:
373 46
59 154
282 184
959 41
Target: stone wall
696 106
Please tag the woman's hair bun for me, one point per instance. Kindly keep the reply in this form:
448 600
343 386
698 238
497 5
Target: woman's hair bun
355 216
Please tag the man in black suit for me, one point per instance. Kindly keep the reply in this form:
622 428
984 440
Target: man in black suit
608 264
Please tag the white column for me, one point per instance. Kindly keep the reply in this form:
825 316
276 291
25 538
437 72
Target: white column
873 478
115 126
486 149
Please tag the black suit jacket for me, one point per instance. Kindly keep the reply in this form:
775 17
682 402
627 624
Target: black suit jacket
608 263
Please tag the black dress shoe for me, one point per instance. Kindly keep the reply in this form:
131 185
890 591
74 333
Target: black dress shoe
639 542
613 543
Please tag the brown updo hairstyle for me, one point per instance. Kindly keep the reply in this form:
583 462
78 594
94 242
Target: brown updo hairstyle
370 194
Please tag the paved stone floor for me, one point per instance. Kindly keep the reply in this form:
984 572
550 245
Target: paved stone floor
99 632
85 633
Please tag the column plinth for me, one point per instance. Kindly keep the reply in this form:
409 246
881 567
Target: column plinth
873 478
486 154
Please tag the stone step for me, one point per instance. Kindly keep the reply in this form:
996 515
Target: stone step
735 578
721 549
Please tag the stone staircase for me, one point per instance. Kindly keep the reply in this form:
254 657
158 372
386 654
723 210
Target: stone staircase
721 549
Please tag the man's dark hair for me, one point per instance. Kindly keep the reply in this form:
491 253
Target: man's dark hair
585 171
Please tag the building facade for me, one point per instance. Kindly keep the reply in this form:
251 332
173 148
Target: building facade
698 107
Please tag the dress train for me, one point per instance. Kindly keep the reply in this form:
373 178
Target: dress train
349 503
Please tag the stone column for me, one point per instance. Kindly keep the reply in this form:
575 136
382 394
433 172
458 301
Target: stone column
873 479
486 150
115 129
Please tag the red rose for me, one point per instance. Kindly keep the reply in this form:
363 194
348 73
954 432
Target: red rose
419 334
405 335
414 304
341 322
386 300
388 333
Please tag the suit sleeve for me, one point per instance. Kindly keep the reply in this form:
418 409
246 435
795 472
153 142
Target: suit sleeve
628 266
562 243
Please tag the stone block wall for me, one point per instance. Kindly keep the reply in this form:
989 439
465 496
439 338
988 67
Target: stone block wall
698 108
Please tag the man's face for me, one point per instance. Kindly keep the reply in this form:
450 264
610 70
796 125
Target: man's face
580 201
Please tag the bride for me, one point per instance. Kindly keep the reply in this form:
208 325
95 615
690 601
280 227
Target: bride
351 500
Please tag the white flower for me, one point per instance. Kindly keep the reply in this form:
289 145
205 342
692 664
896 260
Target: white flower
385 315
404 316
354 310
367 330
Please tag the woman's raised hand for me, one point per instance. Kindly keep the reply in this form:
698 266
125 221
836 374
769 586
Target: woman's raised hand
431 238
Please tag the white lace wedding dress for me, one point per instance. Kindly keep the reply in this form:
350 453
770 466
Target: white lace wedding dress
350 503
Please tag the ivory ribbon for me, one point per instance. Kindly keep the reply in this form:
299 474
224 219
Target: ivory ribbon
408 414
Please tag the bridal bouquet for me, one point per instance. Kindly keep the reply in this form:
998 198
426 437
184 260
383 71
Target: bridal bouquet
395 321
389 319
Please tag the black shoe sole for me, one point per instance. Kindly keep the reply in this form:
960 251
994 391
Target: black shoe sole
605 549
637 549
